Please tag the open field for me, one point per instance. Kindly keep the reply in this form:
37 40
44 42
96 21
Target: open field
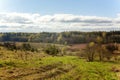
40 66
60 40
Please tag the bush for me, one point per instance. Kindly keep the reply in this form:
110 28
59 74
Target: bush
111 47
10 45
28 47
51 50
1 65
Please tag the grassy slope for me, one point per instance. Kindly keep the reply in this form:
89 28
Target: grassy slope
39 67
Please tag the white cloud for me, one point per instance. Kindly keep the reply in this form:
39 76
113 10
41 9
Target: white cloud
26 22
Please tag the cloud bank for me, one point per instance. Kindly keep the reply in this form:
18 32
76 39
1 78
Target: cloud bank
26 22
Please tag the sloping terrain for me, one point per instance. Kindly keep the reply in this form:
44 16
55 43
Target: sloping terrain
39 66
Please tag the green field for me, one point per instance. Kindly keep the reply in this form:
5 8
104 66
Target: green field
40 66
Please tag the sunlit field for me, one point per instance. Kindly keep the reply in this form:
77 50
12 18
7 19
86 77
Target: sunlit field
17 65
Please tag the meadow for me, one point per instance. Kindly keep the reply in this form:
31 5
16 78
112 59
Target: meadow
17 65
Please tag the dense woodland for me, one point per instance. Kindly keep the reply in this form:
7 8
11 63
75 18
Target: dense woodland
62 38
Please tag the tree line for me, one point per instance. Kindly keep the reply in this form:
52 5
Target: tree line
14 47
73 37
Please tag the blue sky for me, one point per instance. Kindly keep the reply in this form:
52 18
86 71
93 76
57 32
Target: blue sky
50 10
82 7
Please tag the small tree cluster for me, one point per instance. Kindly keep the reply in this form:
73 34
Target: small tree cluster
100 51
28 47
10 45
51 50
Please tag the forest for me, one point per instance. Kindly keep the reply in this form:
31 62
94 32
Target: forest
73 37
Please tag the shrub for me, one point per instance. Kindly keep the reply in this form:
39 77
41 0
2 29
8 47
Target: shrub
111 47
1 65
28 47
51 50
10 45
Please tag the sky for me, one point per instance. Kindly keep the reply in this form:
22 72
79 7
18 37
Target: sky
59 15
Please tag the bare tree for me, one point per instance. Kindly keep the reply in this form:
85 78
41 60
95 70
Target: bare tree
90 51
